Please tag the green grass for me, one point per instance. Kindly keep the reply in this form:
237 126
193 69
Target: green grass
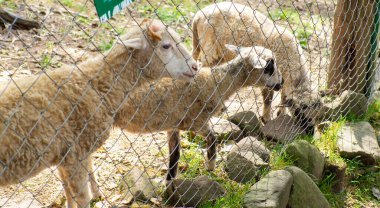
45 60
171 11
302 29
105 45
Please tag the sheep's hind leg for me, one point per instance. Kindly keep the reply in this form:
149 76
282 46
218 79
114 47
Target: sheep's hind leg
78 182
211 147
174 151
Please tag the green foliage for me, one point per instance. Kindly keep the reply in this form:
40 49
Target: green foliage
327 142
233 198
335 199
373 114
68 3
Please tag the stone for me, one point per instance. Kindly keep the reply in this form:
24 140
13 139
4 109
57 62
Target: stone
305 191
192 192
248 122
375 96
358 140
244 166
338 170
252 144
225 130
137 183
283 129
272 191
347 102
307 157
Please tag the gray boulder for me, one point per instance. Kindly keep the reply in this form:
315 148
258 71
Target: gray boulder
244 166
359 140
137 184
305 194
192 192
272 191
283 129
307 157
248 122
225 130
252 144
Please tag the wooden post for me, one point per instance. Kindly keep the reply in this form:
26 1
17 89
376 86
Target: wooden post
351 46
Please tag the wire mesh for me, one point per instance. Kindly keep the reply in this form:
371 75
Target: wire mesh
131 151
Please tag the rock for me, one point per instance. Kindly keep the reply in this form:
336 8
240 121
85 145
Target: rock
359 140
192 192
283 129
225 130
244 166
137 183
347 102
248 122
252 144
376 193
338 170
375 96
304 191
271 191
307 157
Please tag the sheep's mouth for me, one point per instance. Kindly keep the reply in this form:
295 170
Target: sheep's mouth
189 75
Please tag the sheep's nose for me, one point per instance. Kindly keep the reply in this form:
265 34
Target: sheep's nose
194 67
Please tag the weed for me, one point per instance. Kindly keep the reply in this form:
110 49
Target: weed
105 45
68 3
45 60
279 159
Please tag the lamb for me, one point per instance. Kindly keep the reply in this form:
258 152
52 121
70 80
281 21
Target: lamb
232 23
173 106
59 118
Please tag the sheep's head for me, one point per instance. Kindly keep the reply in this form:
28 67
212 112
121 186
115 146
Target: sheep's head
159 51
260 65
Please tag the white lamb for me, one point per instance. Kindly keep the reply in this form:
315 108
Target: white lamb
176 105
232 23
59 118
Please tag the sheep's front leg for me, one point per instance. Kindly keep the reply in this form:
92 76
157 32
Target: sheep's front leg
174 151
267 95
70 203
77 178
282 108
96 194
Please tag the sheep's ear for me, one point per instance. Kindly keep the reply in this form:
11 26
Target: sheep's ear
234 49
154 31
135 43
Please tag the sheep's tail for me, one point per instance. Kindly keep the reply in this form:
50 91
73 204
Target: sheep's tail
196 47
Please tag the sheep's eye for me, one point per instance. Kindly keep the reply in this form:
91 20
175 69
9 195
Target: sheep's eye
166 46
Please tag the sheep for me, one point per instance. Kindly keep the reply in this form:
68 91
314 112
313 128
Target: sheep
232 23
59 118
175 105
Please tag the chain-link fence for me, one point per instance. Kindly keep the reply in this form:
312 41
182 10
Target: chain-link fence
190 109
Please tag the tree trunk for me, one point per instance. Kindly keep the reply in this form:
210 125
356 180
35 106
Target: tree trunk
351 46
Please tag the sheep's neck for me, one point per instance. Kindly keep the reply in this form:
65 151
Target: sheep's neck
112 79
229 79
